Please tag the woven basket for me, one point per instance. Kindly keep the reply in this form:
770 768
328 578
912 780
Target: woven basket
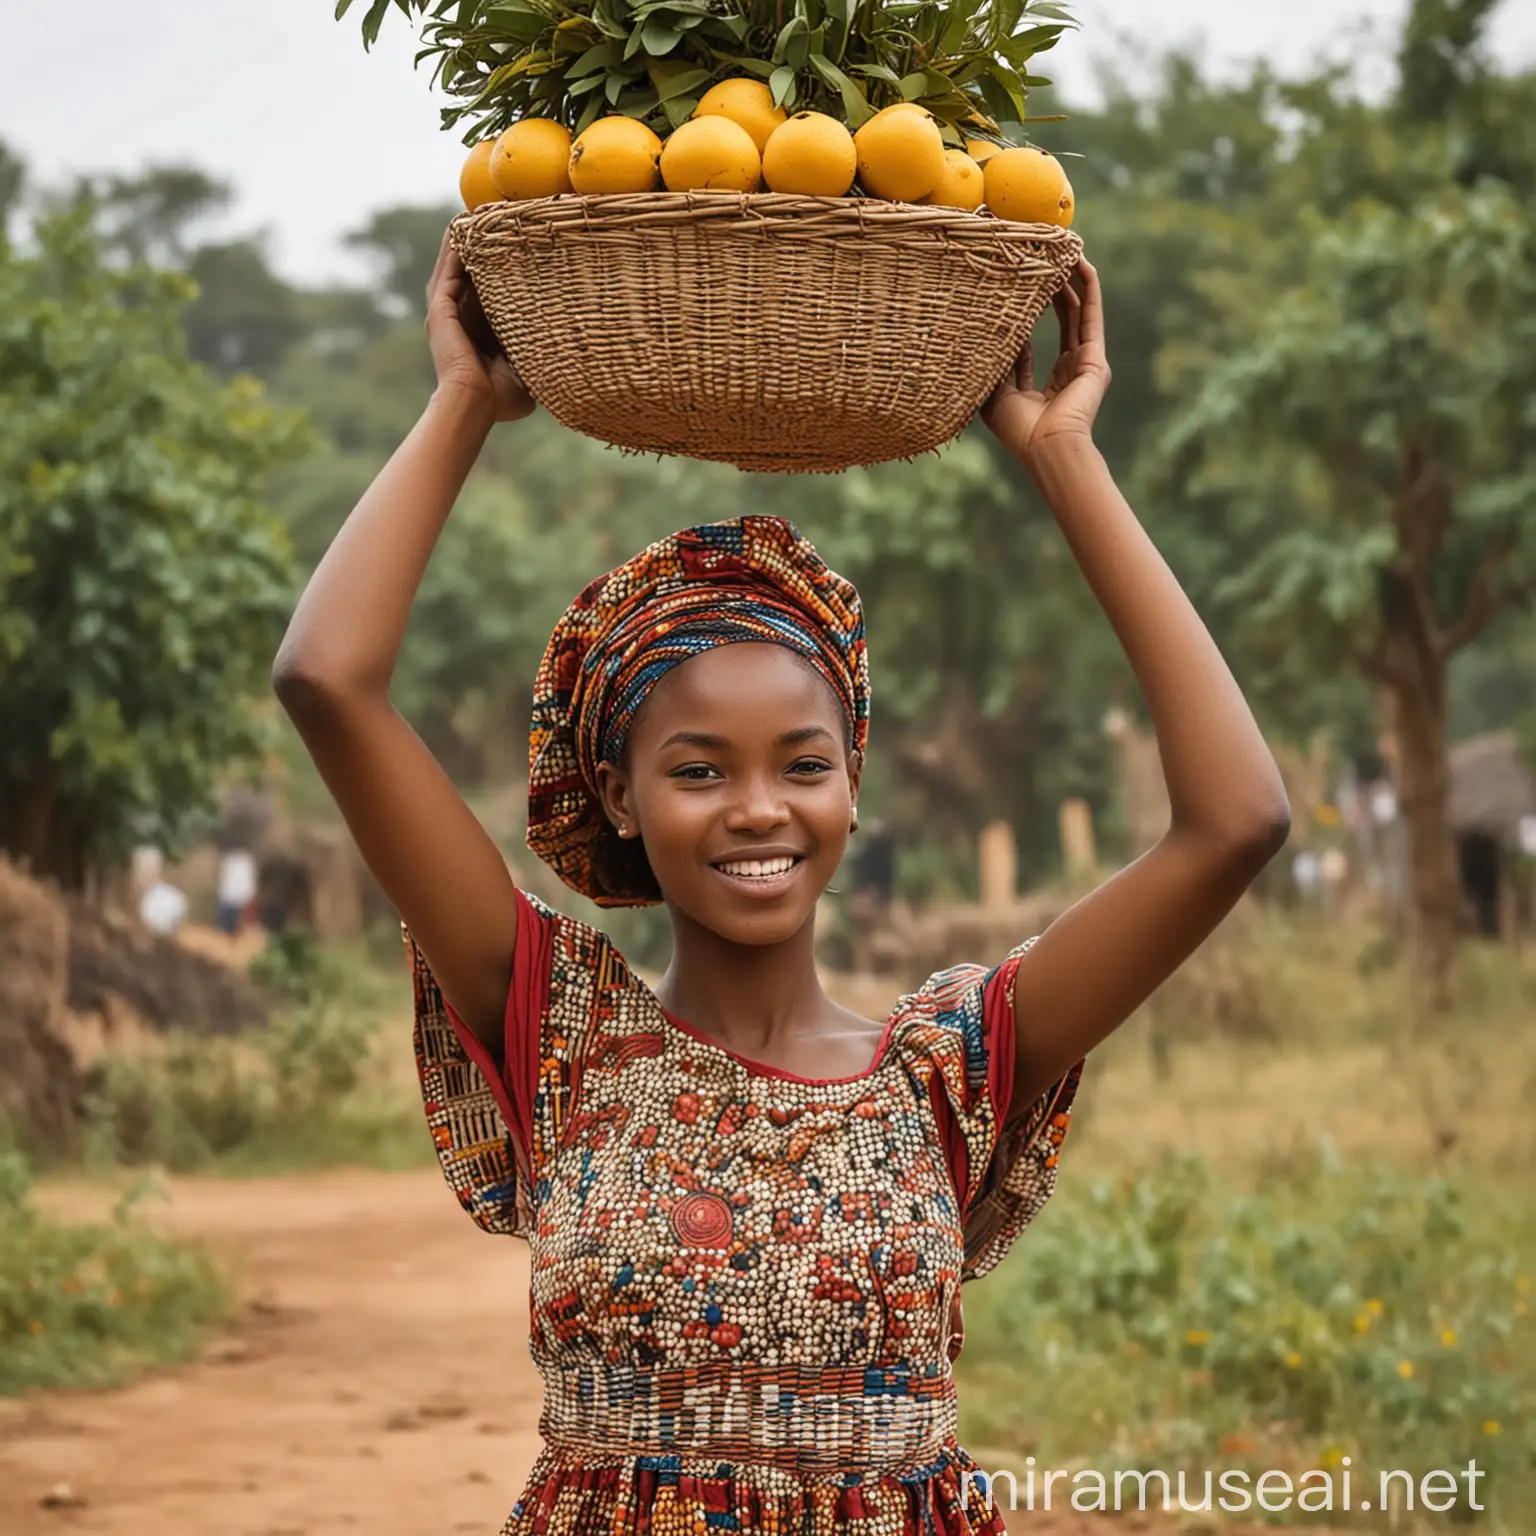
767 331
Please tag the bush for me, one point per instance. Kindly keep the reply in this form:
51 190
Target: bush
1334 1311
82 1305
308 1090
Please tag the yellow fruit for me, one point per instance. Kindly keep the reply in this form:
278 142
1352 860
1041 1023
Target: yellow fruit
711 154
981 150
901 155
1068 208
961 185
475 184
748 104
1026 185
616 154
532 159
812 154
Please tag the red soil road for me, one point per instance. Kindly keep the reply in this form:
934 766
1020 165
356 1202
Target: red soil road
377 1380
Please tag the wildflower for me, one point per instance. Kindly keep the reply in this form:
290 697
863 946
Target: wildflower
1293 1361
1492 1427
35 1326
1197 1336
1448 1337
115 1299
1523 1284
1405 1369
1333 1456
71 1286
1363 1322
1375 1307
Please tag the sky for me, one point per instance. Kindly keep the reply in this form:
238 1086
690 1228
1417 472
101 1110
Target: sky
280 99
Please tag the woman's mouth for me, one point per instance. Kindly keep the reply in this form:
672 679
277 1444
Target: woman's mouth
762 877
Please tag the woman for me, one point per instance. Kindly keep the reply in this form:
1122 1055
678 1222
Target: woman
750 1209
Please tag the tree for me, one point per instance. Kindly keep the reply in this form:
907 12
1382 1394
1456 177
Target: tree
1376 456
143 585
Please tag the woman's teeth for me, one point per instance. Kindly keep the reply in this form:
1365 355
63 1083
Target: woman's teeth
757 869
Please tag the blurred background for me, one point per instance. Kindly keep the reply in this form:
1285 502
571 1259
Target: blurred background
1294 1225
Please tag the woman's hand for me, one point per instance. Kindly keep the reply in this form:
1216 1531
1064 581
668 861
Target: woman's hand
464 348
1027 420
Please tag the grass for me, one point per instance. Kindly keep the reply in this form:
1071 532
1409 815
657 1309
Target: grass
317 1088
88 1305
1293 1227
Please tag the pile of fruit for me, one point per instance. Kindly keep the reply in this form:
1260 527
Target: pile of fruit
738 141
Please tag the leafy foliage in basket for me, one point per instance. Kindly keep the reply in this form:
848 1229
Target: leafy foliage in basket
967 61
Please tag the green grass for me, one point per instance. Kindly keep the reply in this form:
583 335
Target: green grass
311 1090
1293 1226
88 1305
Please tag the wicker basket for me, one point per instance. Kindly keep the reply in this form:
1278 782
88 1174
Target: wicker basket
767 331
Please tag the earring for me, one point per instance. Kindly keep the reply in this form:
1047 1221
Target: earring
854 826
624 830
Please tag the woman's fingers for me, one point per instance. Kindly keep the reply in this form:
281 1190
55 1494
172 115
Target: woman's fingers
445 256
1092 321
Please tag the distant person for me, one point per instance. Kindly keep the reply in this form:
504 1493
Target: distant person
751 1209
236 888
163 908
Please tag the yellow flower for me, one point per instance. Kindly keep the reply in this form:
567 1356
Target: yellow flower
1492 1427
1405 1369
1363 1323
1374 1307
1522 1283
1333 1456
1293 1361
1197 1336
1448 1337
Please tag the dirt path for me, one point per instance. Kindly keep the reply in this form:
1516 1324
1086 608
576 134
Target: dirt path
377 1381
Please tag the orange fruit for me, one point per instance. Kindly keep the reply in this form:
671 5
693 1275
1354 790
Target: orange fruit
475 184
711 154
532 159
981 150
812 154
961 185
1068 208
1026 185
748 104
615 154
901 155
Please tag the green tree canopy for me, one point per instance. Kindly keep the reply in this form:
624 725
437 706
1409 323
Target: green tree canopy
143 584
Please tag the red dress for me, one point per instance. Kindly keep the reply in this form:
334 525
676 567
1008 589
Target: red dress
745 1300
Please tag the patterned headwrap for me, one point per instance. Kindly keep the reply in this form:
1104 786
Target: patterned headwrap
749 579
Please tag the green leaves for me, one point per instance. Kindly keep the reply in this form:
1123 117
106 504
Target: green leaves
501 60
144 583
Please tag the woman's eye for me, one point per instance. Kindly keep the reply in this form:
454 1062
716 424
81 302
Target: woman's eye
808 765
694 771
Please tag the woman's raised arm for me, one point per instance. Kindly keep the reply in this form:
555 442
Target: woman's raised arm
436 863
1099 962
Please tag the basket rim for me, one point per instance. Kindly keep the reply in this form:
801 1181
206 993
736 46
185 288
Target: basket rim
865 216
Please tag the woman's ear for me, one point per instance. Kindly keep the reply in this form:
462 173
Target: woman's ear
855 773
617 802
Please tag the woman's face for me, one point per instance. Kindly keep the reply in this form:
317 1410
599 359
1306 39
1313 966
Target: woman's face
738 776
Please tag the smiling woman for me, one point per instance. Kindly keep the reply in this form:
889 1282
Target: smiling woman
751 1211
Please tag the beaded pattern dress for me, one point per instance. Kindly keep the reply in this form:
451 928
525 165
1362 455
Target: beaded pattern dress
745 1285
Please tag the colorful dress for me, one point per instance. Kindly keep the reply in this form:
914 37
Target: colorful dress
745 1294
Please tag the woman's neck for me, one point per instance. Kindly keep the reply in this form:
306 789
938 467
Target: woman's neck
760 1001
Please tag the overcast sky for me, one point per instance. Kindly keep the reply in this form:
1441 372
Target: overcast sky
281 100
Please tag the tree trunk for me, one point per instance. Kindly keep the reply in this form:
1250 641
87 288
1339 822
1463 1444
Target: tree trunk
1416 685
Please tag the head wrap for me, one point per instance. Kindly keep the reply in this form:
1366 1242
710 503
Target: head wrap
748 579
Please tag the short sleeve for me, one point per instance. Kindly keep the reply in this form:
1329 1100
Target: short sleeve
1002 1159
481 1119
